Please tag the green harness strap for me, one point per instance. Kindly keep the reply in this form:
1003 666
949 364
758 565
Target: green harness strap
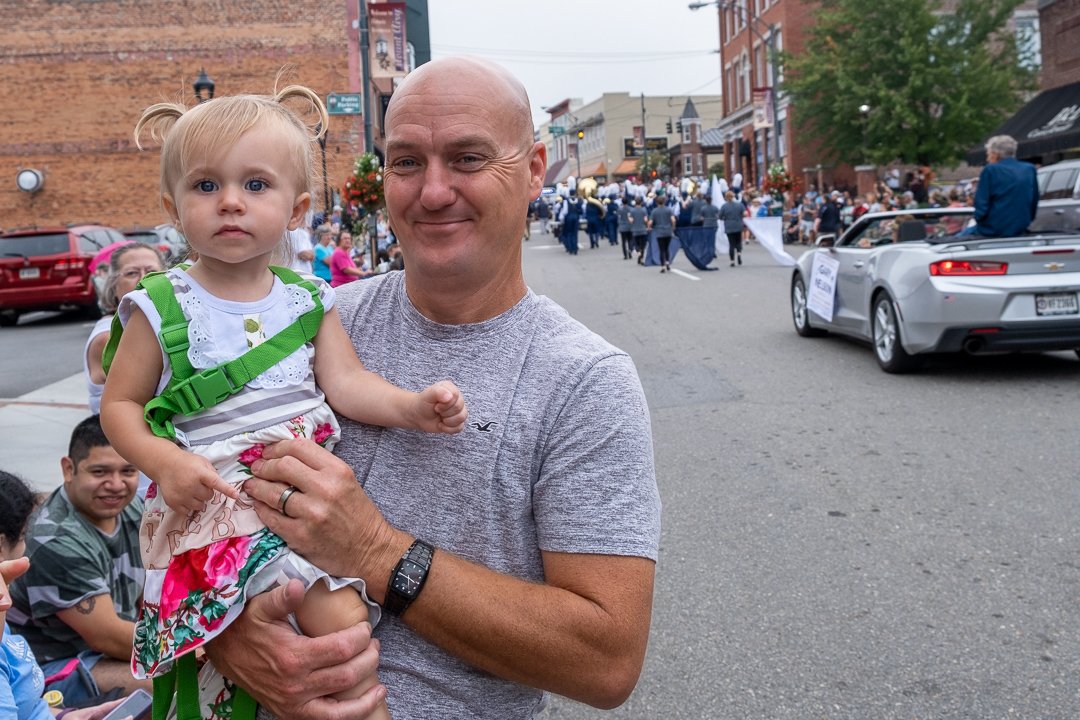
189 392
183 682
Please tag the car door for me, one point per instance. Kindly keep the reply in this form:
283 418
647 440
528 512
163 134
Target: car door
855 252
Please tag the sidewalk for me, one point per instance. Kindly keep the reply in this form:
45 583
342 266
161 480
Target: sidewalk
36 429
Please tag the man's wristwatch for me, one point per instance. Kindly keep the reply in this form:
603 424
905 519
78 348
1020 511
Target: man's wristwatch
408 577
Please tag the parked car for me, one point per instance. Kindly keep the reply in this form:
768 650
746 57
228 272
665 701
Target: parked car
904 281
1059 198
48 269
166 238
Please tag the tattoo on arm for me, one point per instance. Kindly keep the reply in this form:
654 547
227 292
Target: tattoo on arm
86 606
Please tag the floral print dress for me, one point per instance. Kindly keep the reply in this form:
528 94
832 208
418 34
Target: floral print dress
202 568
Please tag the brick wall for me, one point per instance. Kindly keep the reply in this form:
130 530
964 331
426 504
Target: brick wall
1059 23
78 74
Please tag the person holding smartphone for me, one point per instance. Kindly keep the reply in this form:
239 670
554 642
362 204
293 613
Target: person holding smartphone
21 680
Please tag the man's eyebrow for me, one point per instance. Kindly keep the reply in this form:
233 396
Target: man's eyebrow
467 142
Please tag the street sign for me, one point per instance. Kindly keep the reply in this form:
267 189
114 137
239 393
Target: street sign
557 130
343 104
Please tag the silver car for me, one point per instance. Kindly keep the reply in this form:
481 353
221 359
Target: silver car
905 282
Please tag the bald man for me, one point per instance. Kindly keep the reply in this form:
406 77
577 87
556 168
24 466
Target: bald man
517 557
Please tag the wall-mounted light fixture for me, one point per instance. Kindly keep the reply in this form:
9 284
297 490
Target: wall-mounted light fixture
30 180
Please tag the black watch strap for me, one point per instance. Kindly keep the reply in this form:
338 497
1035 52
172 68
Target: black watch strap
408 577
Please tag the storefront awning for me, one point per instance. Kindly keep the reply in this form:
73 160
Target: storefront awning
554 172
1050 123
600 170
626 168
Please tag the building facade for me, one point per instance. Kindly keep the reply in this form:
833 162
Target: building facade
80 73
604 138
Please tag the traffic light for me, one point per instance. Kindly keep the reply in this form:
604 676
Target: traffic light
668 127
678 125
580 134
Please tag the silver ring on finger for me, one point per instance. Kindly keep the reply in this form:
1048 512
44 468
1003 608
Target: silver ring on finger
285 495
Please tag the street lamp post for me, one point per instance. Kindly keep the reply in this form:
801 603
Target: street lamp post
864 114
577 152
770 43
203 86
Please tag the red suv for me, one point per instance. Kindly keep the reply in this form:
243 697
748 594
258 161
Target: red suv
48 269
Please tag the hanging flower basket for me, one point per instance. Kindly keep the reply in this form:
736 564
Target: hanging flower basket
363 190
778 181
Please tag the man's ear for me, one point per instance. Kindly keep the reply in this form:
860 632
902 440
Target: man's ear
67 467
303 203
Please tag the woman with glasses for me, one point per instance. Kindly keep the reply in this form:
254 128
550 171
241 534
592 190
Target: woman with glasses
127 265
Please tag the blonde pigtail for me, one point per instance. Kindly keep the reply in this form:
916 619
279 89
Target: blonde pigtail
159 118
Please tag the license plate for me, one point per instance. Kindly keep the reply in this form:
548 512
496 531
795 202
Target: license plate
1056 304
29 273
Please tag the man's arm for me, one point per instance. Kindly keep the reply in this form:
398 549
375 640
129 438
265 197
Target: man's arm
582 634
96 621
982 195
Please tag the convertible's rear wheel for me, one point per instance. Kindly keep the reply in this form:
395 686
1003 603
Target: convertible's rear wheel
9 318
800 315
888 349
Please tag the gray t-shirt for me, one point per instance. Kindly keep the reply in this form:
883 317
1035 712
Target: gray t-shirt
663 221
638 216
709 215
556 456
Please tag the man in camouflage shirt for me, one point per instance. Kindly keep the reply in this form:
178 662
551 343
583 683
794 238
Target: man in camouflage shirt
76 606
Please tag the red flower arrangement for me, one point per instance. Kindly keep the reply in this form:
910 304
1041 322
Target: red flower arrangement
778 181
364 187
362 194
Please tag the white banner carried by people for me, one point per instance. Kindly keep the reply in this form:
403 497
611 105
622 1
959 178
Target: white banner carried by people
769 231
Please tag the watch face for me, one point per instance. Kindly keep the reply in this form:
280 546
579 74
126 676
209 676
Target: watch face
408 578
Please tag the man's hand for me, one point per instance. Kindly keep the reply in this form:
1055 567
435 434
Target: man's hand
331 521
440 408
293 675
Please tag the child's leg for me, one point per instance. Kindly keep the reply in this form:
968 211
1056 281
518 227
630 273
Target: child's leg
323 612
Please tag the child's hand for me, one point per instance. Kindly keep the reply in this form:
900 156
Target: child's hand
188 481
441 408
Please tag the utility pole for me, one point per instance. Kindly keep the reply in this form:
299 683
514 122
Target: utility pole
644 141
365 75
369 145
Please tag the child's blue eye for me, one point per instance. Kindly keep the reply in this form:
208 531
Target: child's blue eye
206 186
256 185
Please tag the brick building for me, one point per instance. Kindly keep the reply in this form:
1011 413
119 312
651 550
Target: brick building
751 31
756 128
78 74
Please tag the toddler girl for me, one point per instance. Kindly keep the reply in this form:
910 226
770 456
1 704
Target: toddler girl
235 175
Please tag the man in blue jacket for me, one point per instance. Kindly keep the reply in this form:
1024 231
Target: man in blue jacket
1007 194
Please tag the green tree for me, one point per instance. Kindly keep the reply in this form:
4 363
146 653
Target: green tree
654 160
931 84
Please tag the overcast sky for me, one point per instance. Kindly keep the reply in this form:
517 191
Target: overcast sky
582 48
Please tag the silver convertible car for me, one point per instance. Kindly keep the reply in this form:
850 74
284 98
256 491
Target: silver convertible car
905 282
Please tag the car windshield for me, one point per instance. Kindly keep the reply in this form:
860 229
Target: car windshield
906 228
30 245
148 237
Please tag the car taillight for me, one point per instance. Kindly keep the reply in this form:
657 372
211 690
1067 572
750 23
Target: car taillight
967 267
73 264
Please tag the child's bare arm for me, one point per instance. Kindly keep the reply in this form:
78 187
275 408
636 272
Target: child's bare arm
355 392
185 480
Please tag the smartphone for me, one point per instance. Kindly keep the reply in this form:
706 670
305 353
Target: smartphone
138 705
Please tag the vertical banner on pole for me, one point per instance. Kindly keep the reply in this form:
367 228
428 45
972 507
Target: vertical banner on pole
386 28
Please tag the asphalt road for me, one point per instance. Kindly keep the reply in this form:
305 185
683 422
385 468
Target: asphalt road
837 542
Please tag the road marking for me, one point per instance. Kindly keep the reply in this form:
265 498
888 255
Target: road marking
544 247
686 275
